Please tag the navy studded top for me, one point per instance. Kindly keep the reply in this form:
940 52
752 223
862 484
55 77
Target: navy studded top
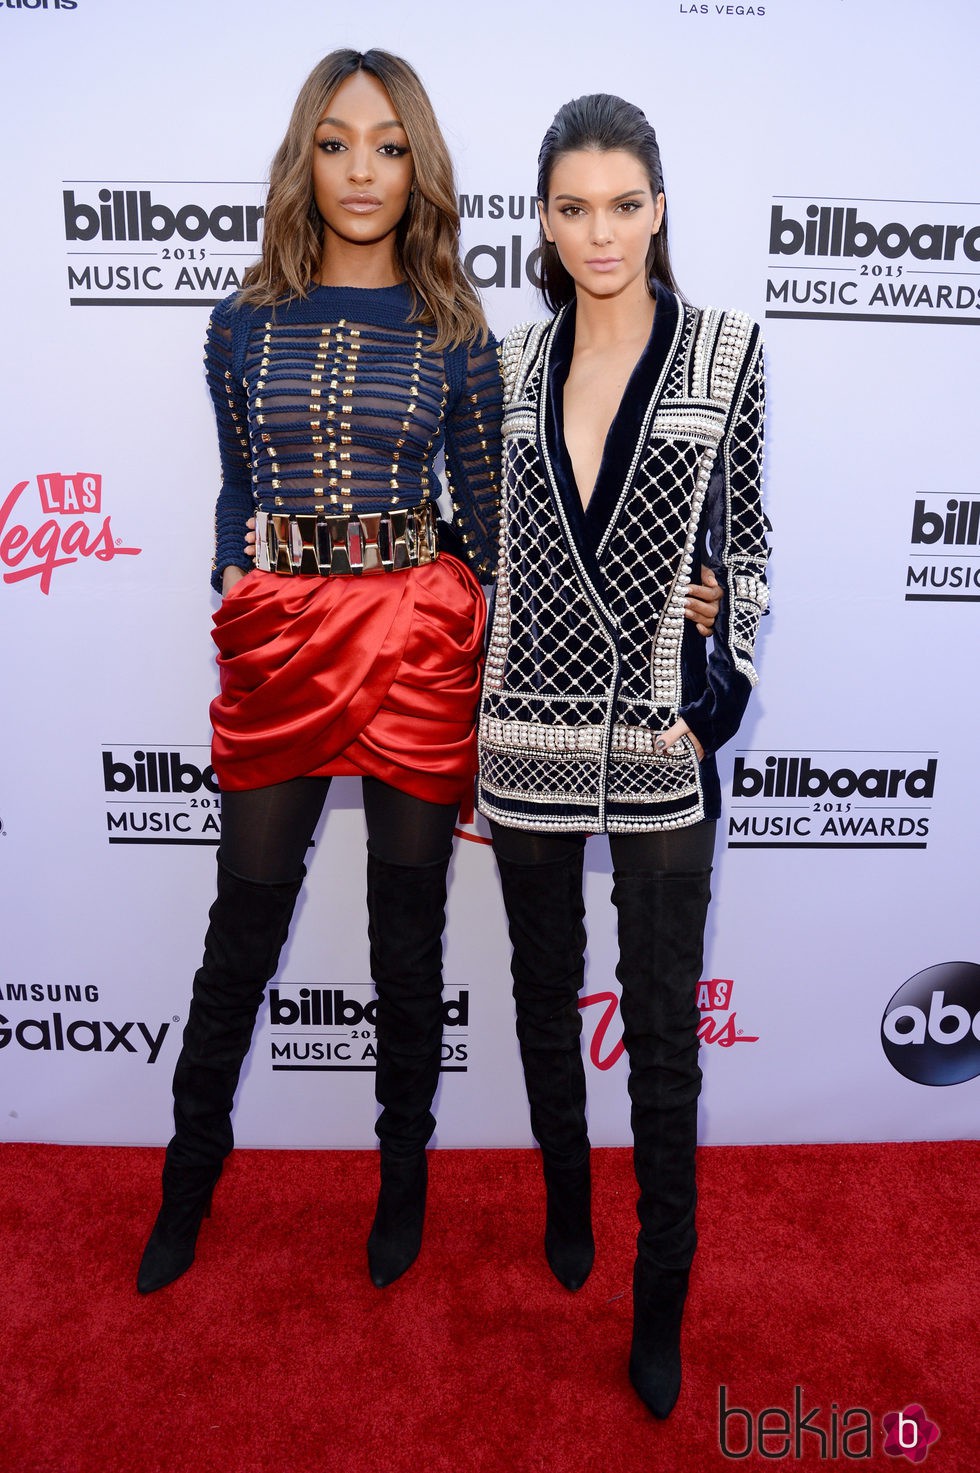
337 402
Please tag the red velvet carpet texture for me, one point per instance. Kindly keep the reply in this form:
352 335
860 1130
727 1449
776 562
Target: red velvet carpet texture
846 1271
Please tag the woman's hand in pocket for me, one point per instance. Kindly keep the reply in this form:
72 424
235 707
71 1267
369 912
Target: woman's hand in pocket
673 734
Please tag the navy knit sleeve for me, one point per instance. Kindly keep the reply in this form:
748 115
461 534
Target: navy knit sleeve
235 503
473 452
737 528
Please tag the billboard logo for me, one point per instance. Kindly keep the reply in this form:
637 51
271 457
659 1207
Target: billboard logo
134 215
156 796
873 260
831 800
944 561
193 239
332 1029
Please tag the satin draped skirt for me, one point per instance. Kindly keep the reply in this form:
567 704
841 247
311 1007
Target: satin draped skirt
367 677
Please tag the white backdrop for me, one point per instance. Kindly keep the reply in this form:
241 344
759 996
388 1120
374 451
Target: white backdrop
136 140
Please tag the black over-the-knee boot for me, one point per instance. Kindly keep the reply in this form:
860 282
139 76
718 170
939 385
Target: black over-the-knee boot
406 918
545 912
661 933
249 922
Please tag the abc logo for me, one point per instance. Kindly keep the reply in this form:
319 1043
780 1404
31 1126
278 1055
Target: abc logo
931 1028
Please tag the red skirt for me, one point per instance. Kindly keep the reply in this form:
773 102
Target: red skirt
366 677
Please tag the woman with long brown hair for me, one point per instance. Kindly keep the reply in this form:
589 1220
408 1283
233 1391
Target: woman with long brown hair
632 452
355 353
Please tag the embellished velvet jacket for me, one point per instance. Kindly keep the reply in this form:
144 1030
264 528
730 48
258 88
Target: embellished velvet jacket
590 656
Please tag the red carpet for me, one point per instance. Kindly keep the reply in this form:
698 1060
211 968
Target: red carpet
849 1271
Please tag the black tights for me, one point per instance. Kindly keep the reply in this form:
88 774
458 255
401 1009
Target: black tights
668 851
265 832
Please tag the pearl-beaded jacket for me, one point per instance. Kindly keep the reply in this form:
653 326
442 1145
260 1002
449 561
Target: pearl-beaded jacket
590 657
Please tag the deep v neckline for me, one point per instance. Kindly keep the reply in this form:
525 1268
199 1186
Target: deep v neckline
607 440
589 522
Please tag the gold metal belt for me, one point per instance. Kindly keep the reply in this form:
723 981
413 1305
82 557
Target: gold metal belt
342 544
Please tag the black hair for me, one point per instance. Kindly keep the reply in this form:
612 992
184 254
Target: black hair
600 122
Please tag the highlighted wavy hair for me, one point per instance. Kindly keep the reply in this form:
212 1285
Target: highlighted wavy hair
427 238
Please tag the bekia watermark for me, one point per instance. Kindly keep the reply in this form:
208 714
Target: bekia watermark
909 1433
830 1433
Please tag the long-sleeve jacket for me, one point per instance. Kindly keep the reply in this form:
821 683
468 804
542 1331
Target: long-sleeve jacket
590 657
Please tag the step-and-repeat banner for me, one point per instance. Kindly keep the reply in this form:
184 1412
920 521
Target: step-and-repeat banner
821 174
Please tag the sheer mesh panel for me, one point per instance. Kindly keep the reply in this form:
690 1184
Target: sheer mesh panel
344 413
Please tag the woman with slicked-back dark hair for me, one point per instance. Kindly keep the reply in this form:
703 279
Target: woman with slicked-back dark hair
353 643
632 454
602 123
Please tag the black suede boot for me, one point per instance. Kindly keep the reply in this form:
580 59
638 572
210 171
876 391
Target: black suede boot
249 922
568 1242
545 912
406 918
661 931
395 1238
655 1352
